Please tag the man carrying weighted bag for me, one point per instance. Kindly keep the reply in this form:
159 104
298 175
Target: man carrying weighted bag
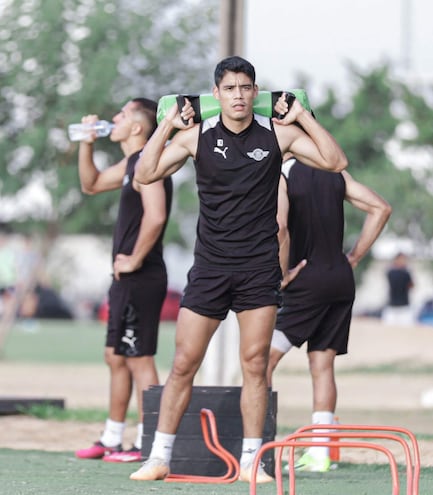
238 157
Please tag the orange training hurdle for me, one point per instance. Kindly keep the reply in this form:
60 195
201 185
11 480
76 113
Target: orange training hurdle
213 444
333 440
411 448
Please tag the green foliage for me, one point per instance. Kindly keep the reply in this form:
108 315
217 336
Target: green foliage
62 60
418 113
368 128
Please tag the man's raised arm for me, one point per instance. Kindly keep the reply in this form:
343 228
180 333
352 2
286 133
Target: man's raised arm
158 159
312 144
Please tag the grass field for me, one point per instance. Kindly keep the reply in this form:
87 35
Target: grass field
57 341
48 473
35 472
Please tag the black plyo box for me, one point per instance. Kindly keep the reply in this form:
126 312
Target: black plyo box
190 454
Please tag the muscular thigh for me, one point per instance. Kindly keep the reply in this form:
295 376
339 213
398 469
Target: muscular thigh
256 327
193 333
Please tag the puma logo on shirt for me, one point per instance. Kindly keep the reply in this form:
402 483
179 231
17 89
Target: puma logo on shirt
223 152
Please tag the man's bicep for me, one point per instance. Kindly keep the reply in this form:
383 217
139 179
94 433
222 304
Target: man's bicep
111 177
298 143
153 198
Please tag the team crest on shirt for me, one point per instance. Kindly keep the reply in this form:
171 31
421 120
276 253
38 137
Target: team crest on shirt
219 148
258 154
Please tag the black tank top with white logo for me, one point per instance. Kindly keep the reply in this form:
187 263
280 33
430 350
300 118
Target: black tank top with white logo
130 216
237 179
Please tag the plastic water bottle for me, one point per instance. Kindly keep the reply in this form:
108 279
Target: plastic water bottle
78 132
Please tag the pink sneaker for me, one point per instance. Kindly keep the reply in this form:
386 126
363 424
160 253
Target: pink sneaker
97 451
131 455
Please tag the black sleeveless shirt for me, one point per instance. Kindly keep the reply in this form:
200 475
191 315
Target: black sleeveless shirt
237 179
316 227
130 216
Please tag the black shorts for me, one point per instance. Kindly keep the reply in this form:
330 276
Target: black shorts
135 304
213 293
323 326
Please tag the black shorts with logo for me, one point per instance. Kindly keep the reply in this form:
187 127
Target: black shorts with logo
135 303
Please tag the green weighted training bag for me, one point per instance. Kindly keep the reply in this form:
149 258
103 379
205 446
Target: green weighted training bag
206 105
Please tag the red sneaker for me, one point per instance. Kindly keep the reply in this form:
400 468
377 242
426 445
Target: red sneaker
131 455
97 451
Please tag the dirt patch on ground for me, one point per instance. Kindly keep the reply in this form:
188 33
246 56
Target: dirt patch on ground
367 394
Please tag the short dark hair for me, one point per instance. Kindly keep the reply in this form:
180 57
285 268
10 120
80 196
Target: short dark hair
234 64
148 109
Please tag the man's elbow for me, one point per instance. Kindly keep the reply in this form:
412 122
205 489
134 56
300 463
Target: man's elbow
341 163
382 212
335 164
387 211
88 190
143 179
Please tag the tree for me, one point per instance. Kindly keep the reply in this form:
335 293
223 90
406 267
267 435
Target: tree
60 60
369 129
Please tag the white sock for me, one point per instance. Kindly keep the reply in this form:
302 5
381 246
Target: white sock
321 418
250 446
138 440
162 446
113 433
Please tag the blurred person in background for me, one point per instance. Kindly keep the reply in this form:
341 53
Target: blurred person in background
45 303
398 310
139 281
